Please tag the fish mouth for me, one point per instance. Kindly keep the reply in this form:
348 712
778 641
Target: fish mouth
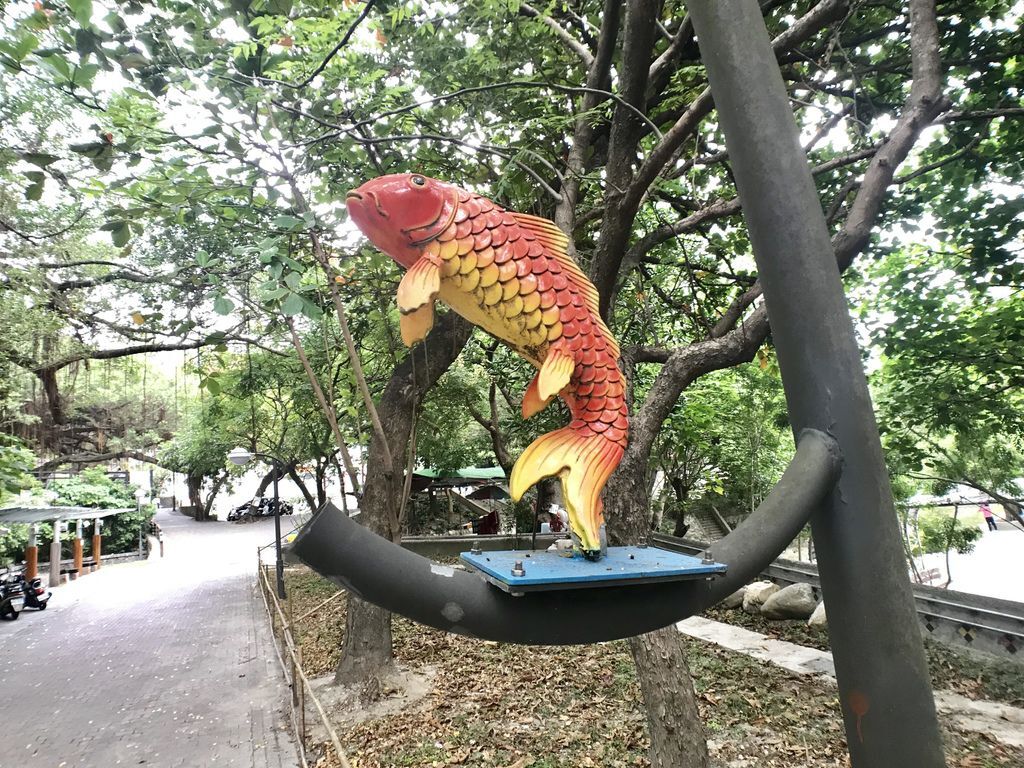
353 195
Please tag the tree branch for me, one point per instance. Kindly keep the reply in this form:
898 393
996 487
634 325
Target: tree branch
568 40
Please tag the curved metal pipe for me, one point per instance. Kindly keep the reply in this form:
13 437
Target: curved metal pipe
440 596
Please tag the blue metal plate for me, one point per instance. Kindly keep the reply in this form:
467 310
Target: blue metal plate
559 570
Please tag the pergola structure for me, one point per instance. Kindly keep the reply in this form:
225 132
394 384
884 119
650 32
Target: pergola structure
58 516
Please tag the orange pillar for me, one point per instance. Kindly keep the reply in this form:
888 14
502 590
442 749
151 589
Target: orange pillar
31 554
76 550
97 542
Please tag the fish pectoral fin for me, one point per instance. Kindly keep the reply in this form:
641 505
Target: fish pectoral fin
551 379
532 401
420 285
555 373
416 325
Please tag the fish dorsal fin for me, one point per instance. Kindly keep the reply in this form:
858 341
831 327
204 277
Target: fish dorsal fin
556 243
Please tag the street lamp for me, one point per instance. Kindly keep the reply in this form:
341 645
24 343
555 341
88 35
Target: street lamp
240 457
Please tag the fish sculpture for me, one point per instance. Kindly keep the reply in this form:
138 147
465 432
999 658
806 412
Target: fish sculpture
510 274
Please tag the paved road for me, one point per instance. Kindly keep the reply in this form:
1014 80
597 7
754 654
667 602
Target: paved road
164 663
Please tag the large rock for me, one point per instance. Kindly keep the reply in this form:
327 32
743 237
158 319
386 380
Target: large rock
756 593
818 617
797 601
735 600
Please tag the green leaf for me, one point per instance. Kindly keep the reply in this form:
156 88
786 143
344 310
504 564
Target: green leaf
38 158
82 10
311 310
91 149
57 66
84 75
23 47
292 305
273 294
34 191
85 43
289 223
121 234
211 385
202 258
222 305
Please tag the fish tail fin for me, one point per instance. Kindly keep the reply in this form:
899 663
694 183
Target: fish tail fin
583 462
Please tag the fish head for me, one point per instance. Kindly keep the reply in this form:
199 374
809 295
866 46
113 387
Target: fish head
402 212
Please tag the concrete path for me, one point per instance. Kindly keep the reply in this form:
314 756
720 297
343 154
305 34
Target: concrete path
164 663
1000 721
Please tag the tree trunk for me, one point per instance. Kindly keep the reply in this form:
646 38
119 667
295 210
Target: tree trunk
301 485
366 649
667 687
677 735
203 510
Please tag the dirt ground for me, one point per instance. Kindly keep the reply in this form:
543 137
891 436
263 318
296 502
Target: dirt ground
492 704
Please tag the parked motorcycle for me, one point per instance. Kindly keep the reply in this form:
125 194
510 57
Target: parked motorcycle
243 512
36 595
267 507
12 598
259 507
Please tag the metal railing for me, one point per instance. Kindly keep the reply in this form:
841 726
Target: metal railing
289 655
957 619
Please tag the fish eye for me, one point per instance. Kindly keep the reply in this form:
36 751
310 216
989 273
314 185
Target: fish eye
419 181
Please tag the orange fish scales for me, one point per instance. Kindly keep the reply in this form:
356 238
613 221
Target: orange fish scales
513 307
491 293
489 277
471 280
448 250
506 270
467 263
450 267
510 288
484 257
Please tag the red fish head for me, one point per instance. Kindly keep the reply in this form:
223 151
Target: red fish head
402 212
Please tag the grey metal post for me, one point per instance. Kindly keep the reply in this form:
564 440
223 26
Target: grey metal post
884 686
58 528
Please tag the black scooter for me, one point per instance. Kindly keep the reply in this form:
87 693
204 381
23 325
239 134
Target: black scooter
12 598
36 596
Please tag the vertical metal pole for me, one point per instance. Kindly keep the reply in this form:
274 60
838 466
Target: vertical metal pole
58 527
884 687
277 533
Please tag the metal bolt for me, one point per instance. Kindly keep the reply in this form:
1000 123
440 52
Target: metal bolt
475 550
517 569
706 558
